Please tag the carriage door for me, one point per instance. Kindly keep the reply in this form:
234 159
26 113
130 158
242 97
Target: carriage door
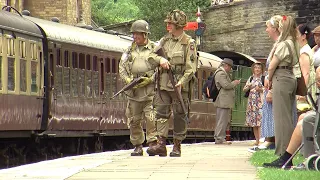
239 111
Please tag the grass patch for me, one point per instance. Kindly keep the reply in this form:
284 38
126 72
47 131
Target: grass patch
260 157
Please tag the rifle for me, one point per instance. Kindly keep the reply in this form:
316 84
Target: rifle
173 81
129 86
178 93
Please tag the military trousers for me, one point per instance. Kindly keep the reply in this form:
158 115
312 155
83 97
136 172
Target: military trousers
223 117
163 111
283 98
137 112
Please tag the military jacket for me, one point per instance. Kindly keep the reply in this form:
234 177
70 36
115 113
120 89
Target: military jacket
182 54
134 63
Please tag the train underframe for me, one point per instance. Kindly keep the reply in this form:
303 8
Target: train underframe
33 147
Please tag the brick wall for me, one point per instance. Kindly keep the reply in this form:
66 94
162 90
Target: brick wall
240 26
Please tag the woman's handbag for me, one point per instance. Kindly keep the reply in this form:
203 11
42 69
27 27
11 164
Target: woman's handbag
302 89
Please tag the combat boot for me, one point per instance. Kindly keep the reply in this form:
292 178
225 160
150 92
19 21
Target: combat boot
176 151
137 151
158 149
151 144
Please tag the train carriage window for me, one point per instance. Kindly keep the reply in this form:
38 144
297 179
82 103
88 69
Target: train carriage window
108 78
11 74
82 67
58 75
51 70
66 74
33 51
74 74
89 75
11 48
114 66
34 86
22 48
114 76
23 75
95 77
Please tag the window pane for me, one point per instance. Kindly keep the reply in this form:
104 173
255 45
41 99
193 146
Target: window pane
58 57
11 74
74 60
107 65
23 75
34 86
22 47
10 47
114 64
66 59
88 62
82 61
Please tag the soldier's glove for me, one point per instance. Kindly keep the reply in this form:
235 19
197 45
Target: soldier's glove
128 80
145 82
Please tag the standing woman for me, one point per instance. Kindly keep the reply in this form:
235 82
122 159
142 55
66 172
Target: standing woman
316 49
267 124
283 83
306 61
253 112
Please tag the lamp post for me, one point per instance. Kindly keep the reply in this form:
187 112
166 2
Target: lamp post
201 28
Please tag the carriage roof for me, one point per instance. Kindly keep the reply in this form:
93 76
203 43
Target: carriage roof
80 36
207 60
13 22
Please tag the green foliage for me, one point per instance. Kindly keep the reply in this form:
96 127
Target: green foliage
156 11
106 12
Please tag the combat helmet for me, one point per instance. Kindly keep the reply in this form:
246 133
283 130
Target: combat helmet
177 17
140 26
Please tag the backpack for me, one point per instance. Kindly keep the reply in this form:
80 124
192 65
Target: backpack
212 88
251 78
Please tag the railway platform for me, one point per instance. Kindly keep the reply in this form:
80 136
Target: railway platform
201 161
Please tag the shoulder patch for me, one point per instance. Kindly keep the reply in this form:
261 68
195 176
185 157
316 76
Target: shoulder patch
192 47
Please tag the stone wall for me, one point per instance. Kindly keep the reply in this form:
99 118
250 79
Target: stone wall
240 26
65 10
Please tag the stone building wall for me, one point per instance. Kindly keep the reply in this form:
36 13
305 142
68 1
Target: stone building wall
65 10
240 26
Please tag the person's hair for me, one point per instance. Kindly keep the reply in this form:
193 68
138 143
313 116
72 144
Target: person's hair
289 28
274 21
257 64
304 29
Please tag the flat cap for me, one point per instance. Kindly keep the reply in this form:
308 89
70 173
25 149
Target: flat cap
227 61
316 30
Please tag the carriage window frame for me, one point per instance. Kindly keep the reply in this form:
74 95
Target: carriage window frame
22 57
74 69
34 57
10 51
66 66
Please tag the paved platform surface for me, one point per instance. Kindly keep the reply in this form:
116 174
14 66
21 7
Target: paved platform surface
201 161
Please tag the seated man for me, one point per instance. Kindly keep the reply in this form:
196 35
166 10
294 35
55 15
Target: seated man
303 130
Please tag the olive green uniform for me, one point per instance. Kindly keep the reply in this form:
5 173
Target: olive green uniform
134 63
182 55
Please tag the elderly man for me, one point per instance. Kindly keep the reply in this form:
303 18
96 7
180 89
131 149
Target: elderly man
225 100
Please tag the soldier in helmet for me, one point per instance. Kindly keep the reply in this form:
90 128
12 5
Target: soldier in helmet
180 50
133 64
